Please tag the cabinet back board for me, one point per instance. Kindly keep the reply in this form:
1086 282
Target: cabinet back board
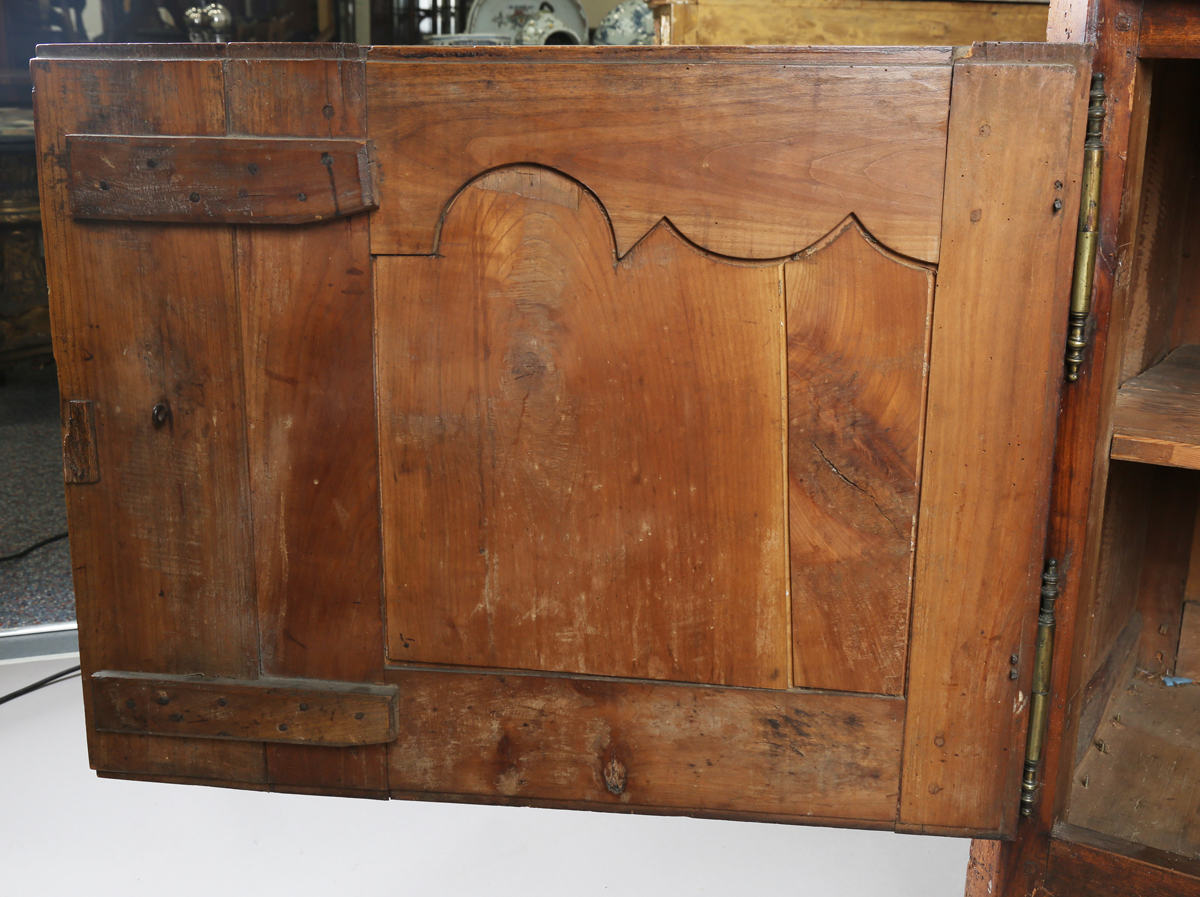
675 435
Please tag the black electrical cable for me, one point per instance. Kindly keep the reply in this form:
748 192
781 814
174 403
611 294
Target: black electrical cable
41 683
32 548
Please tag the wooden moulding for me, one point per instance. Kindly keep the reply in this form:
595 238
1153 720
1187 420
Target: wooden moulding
277 710
652 747
1157 416
222 180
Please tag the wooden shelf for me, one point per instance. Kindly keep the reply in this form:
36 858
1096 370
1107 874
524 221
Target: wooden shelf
1157 416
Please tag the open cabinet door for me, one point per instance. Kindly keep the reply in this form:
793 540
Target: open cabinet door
651 429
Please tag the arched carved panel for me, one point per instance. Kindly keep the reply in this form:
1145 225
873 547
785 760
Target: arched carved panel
858 333
582 458
753 160
585 462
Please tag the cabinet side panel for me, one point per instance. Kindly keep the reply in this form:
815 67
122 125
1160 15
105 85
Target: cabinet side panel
857 329
1016 131
144 316
305 297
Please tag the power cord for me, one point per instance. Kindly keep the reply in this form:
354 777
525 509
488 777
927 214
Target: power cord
41 683
32 548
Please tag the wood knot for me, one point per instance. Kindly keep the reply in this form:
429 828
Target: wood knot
614 775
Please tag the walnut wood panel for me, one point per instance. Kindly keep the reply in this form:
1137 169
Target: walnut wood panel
307 334
747 160
993 400
857 327
582 461
296 710
160 546
1084 863
857 22
231 180
1157 415
80 464
627 745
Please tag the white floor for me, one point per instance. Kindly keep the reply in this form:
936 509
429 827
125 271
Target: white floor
65 832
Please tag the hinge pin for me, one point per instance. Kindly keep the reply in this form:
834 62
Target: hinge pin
1089 226
1039 698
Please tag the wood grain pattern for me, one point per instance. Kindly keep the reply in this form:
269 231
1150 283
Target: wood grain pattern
992 407
1157 415
307 334
1162 197
1169 30
1142 773
582 460
1084 863
80 462
858 330
780 155
1122 539
160 546
863 22
215 180
635 746
287 710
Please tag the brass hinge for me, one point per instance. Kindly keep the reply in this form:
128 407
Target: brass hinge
1039 698
1088 236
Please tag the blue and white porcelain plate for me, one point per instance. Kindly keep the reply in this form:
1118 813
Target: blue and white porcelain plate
631 22
508 17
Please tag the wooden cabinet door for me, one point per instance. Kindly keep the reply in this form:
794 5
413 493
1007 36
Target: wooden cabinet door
660 429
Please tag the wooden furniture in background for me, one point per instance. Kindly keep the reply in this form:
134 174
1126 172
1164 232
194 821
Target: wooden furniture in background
848 22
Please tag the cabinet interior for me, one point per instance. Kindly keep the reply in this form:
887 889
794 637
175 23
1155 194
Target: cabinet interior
1137 754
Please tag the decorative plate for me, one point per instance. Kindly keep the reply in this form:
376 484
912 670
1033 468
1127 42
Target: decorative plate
468 40
547 28
508 17
631 22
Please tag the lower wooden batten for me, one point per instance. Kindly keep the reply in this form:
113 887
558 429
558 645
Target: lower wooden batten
654 747
641 810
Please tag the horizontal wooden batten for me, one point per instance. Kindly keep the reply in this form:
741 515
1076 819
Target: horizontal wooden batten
1157 416
654 747
306 711
222 180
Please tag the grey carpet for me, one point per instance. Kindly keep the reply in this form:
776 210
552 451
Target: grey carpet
37 588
